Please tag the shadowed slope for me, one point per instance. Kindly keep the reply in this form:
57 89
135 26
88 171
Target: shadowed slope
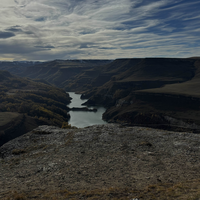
189 88
25 104
131 96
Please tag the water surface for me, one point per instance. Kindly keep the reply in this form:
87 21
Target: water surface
82 119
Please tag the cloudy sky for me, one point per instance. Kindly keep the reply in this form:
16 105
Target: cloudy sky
98 29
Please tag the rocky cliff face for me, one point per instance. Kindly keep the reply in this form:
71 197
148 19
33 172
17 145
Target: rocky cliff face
139 90
103 162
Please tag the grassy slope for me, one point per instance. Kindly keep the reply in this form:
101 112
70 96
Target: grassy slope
6 117
189 190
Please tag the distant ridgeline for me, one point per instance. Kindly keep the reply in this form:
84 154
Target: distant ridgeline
156 92
25 104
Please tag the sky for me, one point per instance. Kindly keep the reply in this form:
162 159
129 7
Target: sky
98 29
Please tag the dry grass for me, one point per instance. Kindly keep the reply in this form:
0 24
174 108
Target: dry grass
16 196
69 138
189 190
6 117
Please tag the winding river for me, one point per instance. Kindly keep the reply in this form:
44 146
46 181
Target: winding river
82 119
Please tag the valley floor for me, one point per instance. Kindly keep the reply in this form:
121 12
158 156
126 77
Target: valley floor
101 162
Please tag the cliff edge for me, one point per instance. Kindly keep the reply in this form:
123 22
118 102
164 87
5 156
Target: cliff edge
100 162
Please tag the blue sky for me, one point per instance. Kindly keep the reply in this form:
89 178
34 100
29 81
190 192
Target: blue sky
98 29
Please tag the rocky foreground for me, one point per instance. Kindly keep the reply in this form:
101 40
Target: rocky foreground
101 162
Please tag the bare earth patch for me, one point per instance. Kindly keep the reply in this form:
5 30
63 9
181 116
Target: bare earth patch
101 162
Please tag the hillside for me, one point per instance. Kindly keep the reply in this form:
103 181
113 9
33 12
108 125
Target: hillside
140 91
100 162
58 72
129 94
25 104
188 88
137 73
16 67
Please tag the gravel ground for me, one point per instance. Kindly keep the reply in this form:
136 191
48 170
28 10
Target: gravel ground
97 157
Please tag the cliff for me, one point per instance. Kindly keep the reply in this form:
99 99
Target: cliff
17 124
100 162
146 91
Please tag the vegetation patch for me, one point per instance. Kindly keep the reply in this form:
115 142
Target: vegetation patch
36 99
66 125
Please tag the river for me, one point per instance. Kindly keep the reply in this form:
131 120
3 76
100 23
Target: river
82 119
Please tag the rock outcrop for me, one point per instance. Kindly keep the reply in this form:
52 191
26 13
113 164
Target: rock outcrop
102 161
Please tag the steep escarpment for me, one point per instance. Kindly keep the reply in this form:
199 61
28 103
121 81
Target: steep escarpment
131 97
61 72
98 76
16 124
136 74
100 162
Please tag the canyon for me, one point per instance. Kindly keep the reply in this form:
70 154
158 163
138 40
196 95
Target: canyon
155 92
148 150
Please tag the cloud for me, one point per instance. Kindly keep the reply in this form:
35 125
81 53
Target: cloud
32 29
83 46
14 29
45 47
4 35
